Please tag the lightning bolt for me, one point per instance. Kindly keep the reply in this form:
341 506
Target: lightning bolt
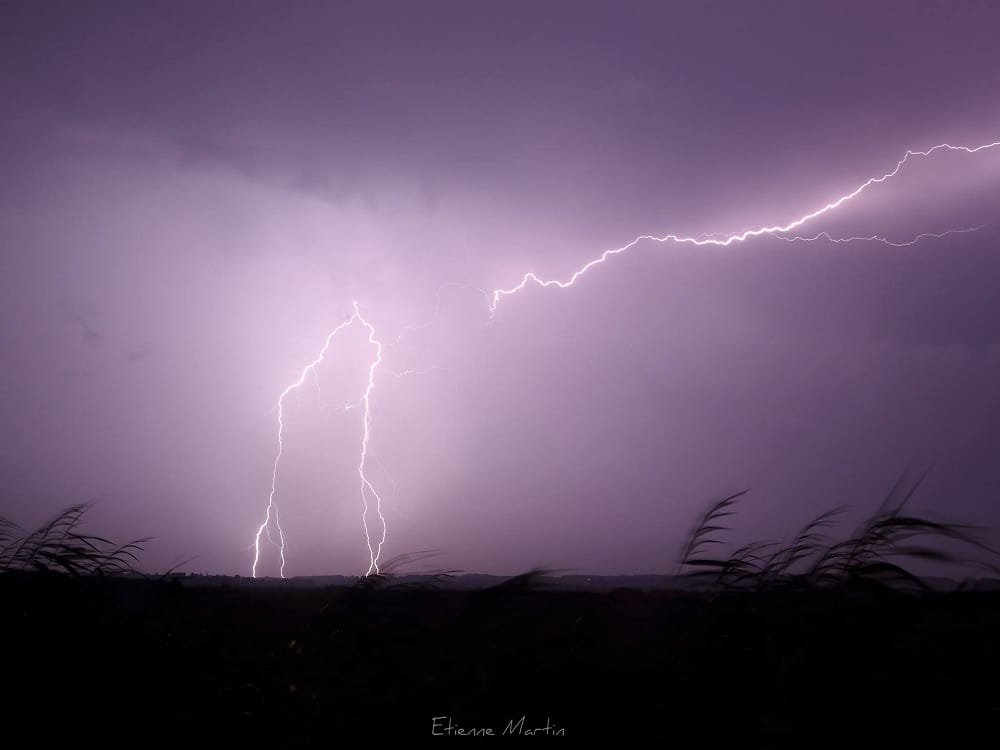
271 514
408 372
366 486
877 238
492 299
728 239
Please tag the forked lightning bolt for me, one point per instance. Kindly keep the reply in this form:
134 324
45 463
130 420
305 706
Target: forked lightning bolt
368 491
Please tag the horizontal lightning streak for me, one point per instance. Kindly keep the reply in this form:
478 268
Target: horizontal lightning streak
729 239
407 373
879 239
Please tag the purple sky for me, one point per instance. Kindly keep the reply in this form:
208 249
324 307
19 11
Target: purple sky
191 194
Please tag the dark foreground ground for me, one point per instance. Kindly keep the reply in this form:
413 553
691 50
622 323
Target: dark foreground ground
138 663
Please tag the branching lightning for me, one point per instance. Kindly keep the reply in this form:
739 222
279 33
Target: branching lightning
729 239
369 493
367 488
877 238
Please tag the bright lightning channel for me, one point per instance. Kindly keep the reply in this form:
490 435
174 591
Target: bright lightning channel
729 239
877 238
367 489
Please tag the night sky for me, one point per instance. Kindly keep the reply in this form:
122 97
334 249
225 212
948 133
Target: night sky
193 194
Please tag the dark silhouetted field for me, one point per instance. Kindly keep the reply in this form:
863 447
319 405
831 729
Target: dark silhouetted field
296 666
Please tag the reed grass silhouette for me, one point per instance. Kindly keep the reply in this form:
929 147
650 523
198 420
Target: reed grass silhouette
60 546
874 554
